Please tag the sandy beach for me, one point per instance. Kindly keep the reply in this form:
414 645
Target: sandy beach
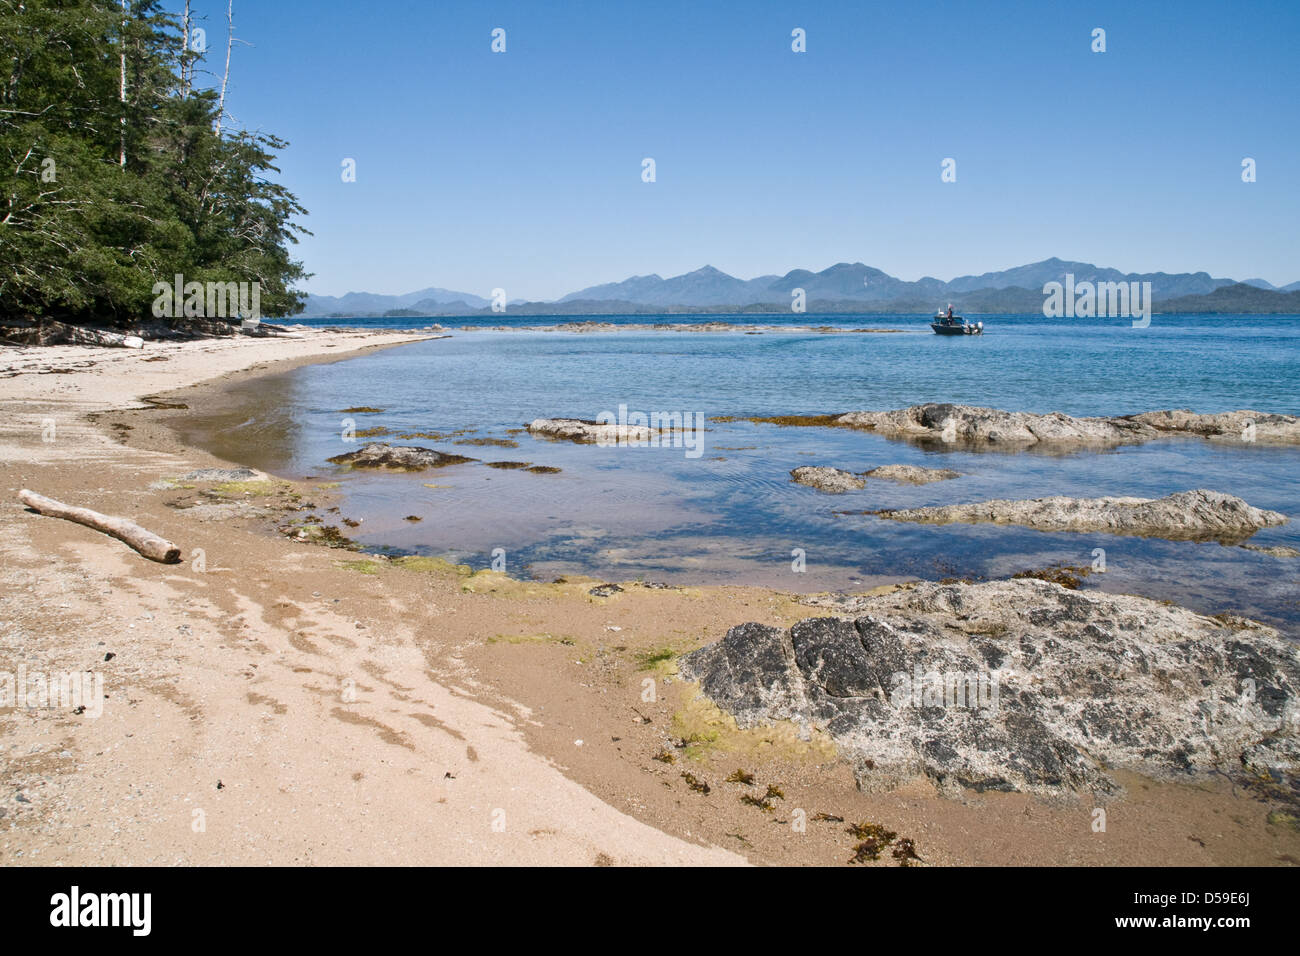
274 701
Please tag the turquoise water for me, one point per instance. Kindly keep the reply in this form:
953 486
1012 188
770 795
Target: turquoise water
732 515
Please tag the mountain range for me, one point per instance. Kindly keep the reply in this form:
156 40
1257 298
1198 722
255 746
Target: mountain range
843 287
374 303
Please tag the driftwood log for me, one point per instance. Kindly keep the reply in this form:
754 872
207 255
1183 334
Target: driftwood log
146 542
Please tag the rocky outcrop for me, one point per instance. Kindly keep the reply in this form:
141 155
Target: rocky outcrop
832 480
911 474
837 480
994 428
1018 685
1242 426
1198 515
398 457
973 425
589 432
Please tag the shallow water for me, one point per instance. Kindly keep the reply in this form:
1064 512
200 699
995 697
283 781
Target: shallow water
732 514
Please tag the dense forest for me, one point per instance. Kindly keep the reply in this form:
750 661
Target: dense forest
121 170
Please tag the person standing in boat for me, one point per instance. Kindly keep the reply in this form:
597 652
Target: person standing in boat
949 311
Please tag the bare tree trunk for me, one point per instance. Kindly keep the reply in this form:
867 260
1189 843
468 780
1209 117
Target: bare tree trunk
146 542
230 39
185 51
122 94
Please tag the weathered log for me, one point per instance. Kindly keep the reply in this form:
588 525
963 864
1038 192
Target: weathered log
146 542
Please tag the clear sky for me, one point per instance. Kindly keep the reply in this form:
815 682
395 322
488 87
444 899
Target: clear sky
522 169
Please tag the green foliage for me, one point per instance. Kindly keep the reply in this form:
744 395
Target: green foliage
84 237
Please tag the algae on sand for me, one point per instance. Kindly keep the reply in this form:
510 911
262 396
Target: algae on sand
532 639
258 487
656 660
409 563
707 731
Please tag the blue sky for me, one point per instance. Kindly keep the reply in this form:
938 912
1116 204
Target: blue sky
522 170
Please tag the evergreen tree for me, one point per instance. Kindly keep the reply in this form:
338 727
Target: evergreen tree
103 195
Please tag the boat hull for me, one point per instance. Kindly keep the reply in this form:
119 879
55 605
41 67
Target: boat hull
941 329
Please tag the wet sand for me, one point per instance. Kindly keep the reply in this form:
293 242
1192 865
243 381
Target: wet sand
284 702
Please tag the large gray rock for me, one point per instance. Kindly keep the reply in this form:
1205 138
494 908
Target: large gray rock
911 474
832 480
1018 685
973 425
837 480
1198 515
1242 426
589 432
399 457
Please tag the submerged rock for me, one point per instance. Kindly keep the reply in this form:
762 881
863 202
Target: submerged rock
1198 515
1018 685
400 457
911 474
832 480
1275 550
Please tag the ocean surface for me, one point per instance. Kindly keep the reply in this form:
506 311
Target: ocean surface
732 514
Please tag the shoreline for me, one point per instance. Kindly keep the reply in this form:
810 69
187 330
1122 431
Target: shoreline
471 695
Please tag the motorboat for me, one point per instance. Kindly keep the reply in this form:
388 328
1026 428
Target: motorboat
946 324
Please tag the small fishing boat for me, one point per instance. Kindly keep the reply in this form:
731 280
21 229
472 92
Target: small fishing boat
948 324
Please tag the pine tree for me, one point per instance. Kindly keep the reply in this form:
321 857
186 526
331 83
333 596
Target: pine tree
84 236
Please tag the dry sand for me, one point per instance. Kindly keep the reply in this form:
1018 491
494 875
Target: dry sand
279 702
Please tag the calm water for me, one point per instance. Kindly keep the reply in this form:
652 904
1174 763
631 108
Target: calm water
732 514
